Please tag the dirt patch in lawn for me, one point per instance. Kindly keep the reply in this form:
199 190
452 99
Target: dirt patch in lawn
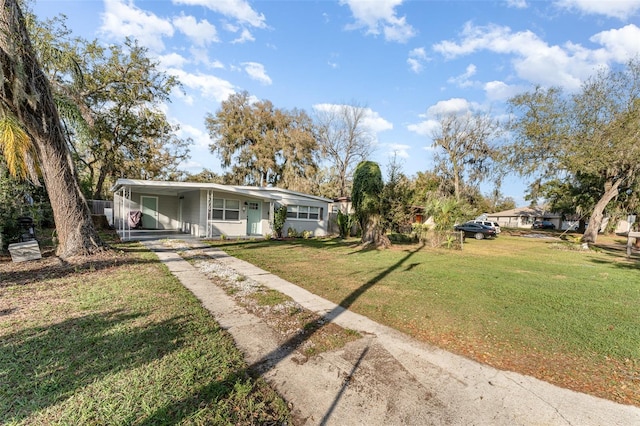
308 331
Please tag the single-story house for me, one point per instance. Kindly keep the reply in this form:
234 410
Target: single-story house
523 217
209 210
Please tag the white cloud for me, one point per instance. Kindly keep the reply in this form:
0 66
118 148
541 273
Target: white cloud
121 20
517 4
208 85
380 17
500 91
375 123
451 106
621 44
245 35
416 59
431 122
239 10
401 150
424 128
172 60
256 72
200 138
201 56
540 63
202 33
463 79
621 9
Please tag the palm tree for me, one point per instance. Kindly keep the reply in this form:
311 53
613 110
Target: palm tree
25 94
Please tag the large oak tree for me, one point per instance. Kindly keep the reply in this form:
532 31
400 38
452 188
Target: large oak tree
110 100
261 144
464 146
25 94
594 132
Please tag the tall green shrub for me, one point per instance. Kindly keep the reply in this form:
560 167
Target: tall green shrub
280 217
345 222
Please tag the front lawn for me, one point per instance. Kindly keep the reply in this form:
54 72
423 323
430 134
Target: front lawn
529 305
116 339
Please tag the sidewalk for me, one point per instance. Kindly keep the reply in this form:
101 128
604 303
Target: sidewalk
385 378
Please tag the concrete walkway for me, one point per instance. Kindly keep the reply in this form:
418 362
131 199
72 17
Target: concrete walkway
384 378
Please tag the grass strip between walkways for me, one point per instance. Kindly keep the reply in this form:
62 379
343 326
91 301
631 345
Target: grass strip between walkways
116 339
527 304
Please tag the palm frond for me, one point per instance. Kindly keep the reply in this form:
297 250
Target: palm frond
18 150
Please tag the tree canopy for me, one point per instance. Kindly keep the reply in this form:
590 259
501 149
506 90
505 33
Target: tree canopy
594 132
345 140
110 101
260 144
465 148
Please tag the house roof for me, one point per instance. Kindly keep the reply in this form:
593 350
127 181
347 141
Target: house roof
539 211
176 188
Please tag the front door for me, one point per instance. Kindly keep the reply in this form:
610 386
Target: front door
149 212
254 218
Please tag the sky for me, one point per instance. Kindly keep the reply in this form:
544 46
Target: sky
404 61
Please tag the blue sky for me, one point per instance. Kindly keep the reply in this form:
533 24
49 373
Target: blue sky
405 61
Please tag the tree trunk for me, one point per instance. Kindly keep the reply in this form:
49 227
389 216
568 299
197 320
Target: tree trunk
26 93
595 221
102 176
372 233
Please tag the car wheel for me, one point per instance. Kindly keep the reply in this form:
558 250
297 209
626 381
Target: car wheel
479 235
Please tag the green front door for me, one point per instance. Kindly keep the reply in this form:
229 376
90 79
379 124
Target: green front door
254 215
149 212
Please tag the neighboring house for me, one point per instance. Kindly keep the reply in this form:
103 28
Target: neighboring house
210 210
343 204
523 217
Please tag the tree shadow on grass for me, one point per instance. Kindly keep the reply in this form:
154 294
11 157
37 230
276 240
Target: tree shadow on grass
188 406
52 267
44 365
270 360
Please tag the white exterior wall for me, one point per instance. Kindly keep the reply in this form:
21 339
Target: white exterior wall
168 209
191 213
318 227
228 228
184 207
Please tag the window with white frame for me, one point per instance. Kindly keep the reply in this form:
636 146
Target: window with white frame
224 209
304 212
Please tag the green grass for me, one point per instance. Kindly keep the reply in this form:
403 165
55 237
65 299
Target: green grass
120 341
524 304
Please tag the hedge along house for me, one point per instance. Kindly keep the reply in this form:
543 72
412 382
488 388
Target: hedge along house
210 210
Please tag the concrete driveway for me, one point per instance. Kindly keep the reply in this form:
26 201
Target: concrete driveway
385 377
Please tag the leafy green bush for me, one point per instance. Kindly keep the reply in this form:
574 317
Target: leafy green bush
345 222
279 218
396 237
292 233
307 234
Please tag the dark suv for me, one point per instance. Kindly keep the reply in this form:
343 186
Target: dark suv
543 224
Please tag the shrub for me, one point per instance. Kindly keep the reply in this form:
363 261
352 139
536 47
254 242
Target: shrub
307 234
396 237
345 222
279 218
292 233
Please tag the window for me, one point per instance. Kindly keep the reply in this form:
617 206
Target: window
304 212
226 209
292 212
